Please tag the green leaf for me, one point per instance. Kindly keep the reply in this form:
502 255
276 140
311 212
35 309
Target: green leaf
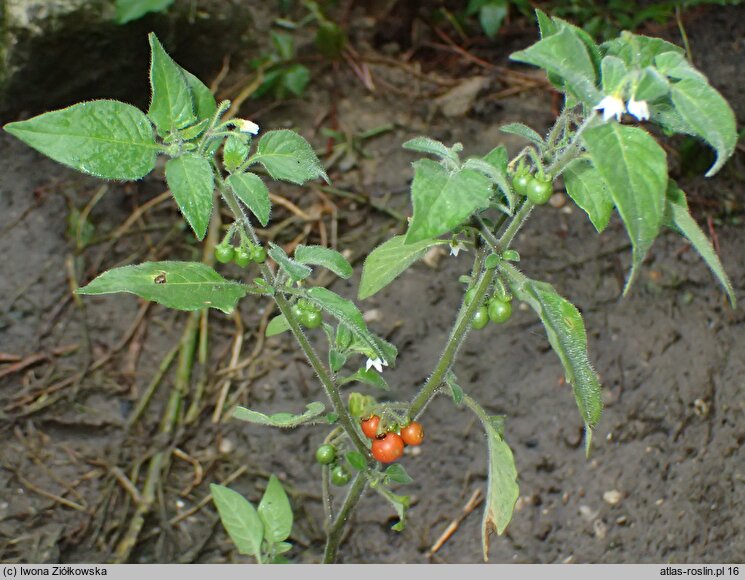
634 167
491 16
522 130
432 147
324 257
192 183
588 189
399 502
288 157
347 313
502 489
613 74
388 261
564 54
128 10
455 389
171 107
275 512
651 85
566 334
250 189
343 336
293 269
356 460
638 51
108 139
283 420
675 66
205 105
234 153
709 116
295 78
678 217
368 377
337 360
240 518
179 285
284 44
397 474
277 325
444 199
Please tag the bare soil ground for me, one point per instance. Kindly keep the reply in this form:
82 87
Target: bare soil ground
666 478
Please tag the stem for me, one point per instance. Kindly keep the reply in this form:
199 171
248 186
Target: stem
333 539
328 383
461 328
571 151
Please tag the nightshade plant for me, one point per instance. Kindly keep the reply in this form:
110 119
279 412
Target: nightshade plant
607 162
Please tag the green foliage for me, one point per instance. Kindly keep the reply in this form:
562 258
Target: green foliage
634 169
388 261
108 139
172 105
283 420
192 183
258 533
325 257
288 157
588 189
179 285
566 334
444 199
491 14
250 189
128 10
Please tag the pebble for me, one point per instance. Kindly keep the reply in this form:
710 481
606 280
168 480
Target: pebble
613 497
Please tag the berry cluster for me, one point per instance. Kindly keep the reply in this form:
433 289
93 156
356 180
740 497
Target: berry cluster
389 446
498 310
242 255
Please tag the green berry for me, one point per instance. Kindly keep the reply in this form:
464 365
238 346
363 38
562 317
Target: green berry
258 254
539 191
521 182
340 476
499 311
242 258
326 454
480 319
224 253
311 318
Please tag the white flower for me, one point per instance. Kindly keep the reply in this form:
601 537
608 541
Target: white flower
376 363
639 109
456 246
611 106
246 126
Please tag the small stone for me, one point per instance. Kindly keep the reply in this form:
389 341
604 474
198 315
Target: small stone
373 315
600 529
587 513
621 520
558 200
659 501
613 497
226 446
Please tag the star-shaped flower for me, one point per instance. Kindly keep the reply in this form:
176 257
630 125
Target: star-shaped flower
376 363
456 247
639 109
611 106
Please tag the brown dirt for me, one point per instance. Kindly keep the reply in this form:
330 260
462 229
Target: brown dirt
670 357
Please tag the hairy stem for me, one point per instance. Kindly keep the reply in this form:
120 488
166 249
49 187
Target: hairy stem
328 383
333 539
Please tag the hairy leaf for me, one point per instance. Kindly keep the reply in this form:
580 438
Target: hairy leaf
293 269
444 199
192 183
108 139
324 257
566 334
634 167
172 105
275 512
250 189
388 261
283 420
240 518
678 217
288 157
179 285
588 189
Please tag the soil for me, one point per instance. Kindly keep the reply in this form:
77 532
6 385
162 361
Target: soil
667 470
